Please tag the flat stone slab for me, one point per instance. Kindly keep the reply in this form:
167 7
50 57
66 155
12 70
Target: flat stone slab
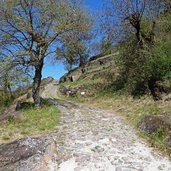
27 154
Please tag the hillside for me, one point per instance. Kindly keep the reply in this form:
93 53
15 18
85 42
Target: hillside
112 112
94 84
87 138
93 72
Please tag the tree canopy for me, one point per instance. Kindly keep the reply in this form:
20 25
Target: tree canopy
31 31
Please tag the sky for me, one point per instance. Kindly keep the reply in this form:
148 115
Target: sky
56 70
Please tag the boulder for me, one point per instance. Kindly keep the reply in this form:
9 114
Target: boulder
75 77
69 91
167 140
151 124
27 154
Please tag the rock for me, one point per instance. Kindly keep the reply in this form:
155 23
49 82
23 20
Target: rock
26 154
19 116
29 95
71 91
162 167
75 77
83 93
167 140
70 77
119 169
151 124
46 81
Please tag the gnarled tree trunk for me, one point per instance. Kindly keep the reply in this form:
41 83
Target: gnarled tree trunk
37 82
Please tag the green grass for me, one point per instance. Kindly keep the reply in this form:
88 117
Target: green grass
159 135
37 121
82 82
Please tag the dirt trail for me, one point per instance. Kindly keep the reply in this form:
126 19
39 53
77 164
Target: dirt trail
91 139
51 90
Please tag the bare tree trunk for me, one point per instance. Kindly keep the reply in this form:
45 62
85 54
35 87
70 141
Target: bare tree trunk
10 92
82 61
139 37
36 83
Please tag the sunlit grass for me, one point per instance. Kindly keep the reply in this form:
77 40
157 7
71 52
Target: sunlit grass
37 121
82 82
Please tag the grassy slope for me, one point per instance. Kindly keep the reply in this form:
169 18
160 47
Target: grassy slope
37 121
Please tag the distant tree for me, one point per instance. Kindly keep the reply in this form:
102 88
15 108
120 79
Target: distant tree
167 4
75 43
11 77
123 18
65 53
30 32
73 51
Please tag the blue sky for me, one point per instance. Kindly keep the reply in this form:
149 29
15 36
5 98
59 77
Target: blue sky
56 70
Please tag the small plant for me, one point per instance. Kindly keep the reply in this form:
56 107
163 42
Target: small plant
11 119
6 137
159 135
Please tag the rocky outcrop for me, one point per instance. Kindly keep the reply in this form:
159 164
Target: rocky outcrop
158 123
12 111
69 91
151 124
70 78
72 91
95 64
46 81
27 154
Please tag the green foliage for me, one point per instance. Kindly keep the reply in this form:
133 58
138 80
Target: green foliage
161 52
160 135
142 67
83 82
105 45
11 77
161 59
5 99
75 50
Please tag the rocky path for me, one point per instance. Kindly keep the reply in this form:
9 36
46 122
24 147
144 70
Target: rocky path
90 139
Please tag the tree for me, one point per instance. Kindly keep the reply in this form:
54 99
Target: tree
134 24
73 51
123 18
30 32
167 5
75 43
11 77
65 54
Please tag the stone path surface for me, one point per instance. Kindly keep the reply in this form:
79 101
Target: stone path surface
91 139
